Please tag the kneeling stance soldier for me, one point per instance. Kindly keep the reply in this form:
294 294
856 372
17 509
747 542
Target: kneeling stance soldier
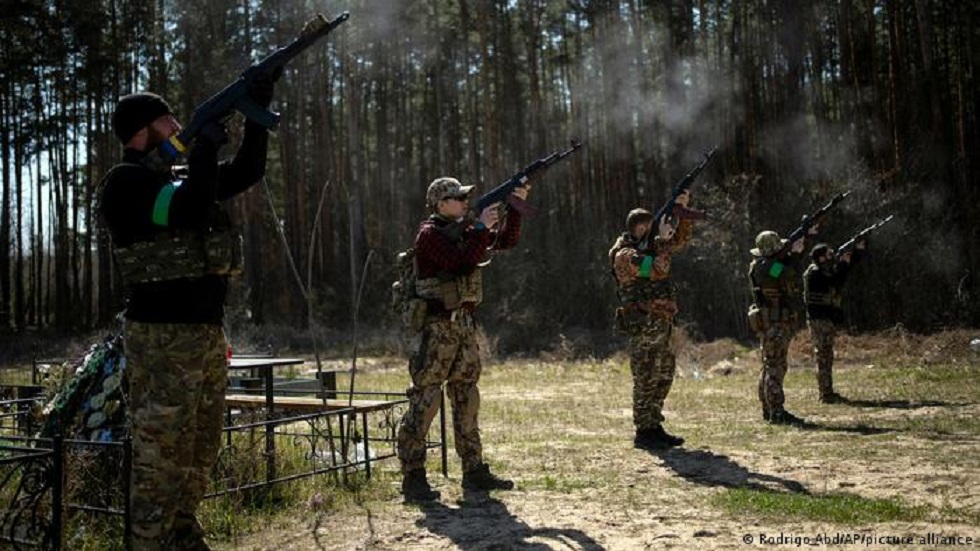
449 250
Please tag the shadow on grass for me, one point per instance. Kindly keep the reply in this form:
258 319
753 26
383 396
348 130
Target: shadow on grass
866 430
861 428
897 404
709 469
483 522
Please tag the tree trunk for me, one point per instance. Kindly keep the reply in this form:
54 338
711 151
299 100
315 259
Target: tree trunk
5 249
931 80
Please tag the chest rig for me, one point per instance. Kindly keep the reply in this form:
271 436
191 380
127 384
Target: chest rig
179 253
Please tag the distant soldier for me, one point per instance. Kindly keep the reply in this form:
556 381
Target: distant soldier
822 283
449 249
641 265
774 316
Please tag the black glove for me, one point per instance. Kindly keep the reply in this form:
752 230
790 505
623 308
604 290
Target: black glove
214 133
261 87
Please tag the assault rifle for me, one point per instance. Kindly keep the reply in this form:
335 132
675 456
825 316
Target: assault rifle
671 208
862 235
504 190
810 221
235 95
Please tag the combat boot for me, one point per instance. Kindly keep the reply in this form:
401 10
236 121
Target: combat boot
783 417
668 438
655 439
831 398
480 478
416 488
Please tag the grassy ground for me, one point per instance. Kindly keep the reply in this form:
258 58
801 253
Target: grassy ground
899 459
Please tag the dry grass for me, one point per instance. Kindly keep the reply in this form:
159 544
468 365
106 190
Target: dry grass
901 457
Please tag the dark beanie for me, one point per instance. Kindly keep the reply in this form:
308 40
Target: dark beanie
819 250
135 111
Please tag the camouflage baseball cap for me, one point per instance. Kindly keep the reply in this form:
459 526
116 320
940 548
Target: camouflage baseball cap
444 188
767 243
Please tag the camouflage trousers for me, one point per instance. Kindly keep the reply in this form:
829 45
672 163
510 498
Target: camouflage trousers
448 353
822 333
652 363
775 347
177 377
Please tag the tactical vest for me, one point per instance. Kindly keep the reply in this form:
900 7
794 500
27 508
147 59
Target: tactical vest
831 297
773 291
183 253
772 288
180 255
454 292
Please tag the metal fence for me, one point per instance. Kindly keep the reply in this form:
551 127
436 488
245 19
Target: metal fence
52 487
47 483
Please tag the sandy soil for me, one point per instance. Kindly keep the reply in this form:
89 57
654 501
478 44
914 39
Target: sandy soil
654 503
665 500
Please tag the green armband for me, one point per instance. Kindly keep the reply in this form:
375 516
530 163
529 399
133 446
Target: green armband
776 269
161 207
645 266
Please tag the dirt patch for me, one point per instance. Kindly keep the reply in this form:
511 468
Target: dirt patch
906 436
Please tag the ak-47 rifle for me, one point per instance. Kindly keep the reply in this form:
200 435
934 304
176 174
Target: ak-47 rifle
671 208
235 95
862 235
504 190
808 222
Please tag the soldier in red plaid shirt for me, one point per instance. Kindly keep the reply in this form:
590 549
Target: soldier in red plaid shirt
450 247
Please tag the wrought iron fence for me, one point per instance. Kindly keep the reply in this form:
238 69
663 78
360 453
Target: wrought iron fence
53 488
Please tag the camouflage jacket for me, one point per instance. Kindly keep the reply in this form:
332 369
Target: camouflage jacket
643 275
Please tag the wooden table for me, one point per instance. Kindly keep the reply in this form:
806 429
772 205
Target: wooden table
266 365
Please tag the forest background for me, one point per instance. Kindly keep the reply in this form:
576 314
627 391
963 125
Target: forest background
803 99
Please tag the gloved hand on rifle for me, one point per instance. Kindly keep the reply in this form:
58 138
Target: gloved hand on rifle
213 134
261 88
